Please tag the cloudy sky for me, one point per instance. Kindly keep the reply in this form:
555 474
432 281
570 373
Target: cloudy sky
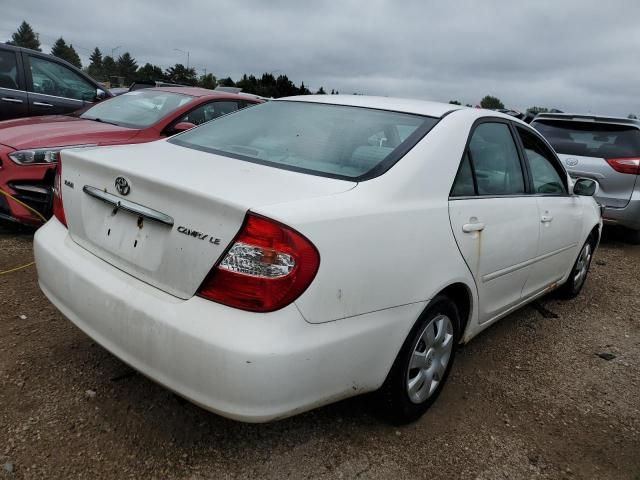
576 55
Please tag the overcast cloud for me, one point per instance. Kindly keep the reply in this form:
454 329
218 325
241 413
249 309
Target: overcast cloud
576 55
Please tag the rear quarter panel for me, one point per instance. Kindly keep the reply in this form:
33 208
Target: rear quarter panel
388 242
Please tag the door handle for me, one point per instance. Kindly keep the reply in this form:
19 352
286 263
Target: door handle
473 227
546 218
40 104
11 100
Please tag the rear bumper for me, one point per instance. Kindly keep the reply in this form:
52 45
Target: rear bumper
246 366
628 217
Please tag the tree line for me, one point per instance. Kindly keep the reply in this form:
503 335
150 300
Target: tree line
104 68
125 68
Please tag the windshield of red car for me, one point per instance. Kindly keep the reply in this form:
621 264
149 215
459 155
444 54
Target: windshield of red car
139 109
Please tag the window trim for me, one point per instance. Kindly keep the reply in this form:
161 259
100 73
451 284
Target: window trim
555 163
523 164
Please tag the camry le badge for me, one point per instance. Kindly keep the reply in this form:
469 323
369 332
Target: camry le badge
198 235
122 185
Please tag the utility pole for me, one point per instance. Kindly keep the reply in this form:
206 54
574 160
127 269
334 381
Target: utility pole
186 52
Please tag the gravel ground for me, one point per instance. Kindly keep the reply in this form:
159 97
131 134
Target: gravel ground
529 398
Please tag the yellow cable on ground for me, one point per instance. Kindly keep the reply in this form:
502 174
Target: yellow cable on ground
32 210
17 268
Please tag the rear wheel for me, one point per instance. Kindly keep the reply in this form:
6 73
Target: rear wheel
575 282
423 364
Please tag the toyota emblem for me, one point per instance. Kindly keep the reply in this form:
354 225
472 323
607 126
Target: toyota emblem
571 162
122 185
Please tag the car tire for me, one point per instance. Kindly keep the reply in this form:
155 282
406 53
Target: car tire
422 366
578 276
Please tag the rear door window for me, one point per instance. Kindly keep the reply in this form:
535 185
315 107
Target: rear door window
463 186
8 70
209 111
589 139
495 160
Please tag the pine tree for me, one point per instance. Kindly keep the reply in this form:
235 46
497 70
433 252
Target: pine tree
25 37
208 81
74 58
127 67
321 91
95 68
66 52
150 73
108 67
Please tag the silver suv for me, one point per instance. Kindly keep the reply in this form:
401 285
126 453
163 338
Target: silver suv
606 149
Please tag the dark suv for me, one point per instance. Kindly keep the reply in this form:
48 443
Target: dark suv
33 83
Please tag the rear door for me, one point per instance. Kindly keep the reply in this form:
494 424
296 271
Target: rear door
13 97
494 220
55 88
559 213
594 150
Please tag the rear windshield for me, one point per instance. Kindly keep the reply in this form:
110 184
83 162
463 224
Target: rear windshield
330 140
603 140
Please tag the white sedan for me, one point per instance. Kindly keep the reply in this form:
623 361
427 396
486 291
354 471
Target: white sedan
313 248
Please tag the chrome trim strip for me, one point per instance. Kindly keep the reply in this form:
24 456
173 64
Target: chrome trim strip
29 92
121 203
13 89
505 271
10 100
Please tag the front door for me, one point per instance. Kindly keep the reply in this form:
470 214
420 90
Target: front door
56 89
494 221
560 214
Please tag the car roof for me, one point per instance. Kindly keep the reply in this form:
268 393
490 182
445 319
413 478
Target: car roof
406 105
200 92
577 117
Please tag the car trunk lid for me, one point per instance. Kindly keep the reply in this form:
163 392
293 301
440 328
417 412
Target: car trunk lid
182 209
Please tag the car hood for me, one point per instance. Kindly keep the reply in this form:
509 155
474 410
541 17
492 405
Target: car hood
60 130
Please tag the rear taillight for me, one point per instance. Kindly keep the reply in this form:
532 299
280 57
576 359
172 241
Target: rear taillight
58 208
625 165
266 268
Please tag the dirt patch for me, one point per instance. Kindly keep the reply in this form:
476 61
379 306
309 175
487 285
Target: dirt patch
530 398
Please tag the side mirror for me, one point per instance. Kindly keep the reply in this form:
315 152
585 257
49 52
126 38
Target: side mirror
100 94
183 126
585 187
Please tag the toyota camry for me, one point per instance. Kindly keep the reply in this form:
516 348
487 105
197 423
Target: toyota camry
313 248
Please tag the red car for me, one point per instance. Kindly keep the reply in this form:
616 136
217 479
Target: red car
29 147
